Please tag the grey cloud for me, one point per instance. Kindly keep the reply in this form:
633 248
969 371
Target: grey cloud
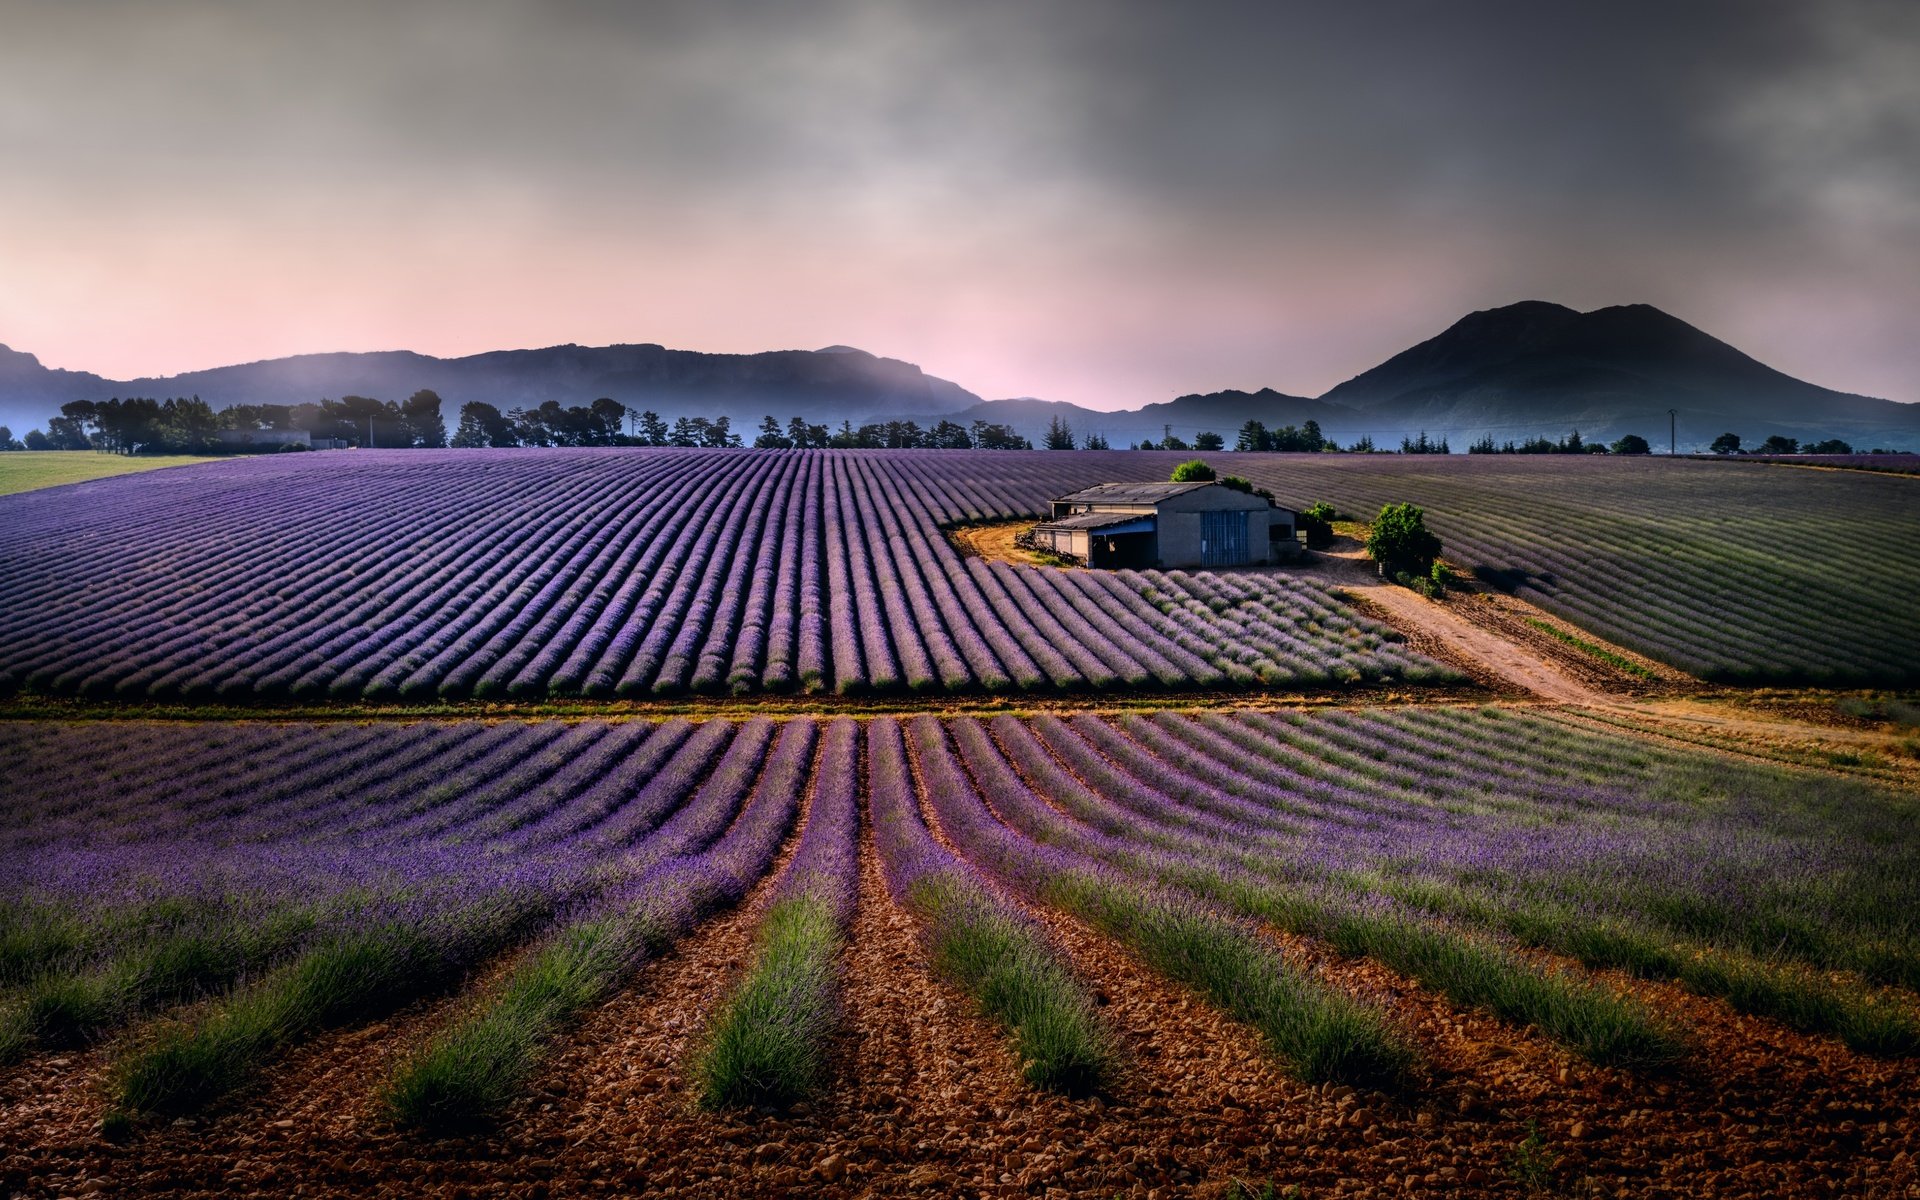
1581 150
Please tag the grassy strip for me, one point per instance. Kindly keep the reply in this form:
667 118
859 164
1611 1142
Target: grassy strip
1866 1019
189 1065
1593 1020
1598 651
28 471
474 1068
348 977
61 1009
1005 964
1321 1033
767 1044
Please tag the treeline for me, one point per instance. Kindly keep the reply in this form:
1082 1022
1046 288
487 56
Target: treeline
188 425
1573 443
1729 443
888 435
549 425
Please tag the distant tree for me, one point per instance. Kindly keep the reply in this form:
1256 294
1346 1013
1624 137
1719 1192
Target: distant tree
1192 471
1097 441
1400 540
1209 442
1253 437
481 424
1173 441
949 435
607 418
7 441
988 435
1573 444
126 426
1830 446
67 433
421 415
714 434
38 441
1422 445
1632 443
1362 445
1726 443
1311 439
1316 524
1780 444
1147 444
1059 434
186 426
770 436
364 421
1485 446
807 436
653 430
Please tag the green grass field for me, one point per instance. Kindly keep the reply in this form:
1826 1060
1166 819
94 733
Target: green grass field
29 469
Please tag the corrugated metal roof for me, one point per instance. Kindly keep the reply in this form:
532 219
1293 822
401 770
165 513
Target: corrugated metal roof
1099 520
1129 493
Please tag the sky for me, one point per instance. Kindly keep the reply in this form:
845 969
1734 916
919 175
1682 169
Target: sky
1106 203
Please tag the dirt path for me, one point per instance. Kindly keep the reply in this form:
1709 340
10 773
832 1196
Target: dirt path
995 541
1519 665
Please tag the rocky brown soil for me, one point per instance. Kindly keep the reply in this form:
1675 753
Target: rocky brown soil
925 1099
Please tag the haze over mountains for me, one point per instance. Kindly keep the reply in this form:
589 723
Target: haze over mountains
1527 369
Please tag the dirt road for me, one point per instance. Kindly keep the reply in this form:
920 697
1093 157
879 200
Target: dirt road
1518 664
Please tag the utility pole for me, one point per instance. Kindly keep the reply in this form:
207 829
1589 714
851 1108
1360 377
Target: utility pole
1673 433
1166 432
370 431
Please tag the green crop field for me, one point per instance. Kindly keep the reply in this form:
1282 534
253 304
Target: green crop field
29 469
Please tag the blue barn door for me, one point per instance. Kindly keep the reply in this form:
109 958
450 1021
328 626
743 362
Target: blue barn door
1223 539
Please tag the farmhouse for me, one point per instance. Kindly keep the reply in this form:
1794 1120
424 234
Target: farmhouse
1169 525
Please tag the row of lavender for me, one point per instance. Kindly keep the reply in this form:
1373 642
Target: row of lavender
1739 573
1505 807
616 573
278 858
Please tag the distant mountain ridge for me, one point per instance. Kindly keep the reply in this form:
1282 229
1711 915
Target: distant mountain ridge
1519 371
1540 366
836 383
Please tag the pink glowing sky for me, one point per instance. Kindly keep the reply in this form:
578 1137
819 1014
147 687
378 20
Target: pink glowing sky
1108 204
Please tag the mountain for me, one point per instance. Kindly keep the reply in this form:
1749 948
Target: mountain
1539 368
836 383
1526 370
1221 412
30 393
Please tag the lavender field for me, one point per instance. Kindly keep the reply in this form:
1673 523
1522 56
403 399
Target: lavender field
618 573
1726 571
1437 841
651 572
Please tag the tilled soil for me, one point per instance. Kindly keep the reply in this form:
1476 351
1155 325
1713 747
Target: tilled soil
926 1099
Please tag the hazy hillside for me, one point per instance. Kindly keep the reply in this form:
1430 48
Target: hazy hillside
1536 367
826 385
1524 370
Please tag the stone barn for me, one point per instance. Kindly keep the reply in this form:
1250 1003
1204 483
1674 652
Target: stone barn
1168 525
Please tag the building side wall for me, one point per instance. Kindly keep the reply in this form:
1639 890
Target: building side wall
1180 546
